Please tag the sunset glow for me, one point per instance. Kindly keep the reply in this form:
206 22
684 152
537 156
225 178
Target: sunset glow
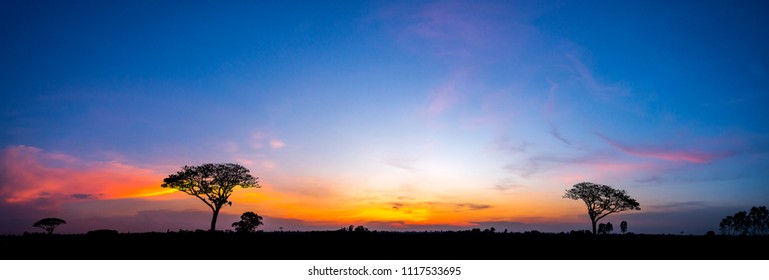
427 115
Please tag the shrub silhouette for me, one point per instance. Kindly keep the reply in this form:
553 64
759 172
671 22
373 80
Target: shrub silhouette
605 228
248 222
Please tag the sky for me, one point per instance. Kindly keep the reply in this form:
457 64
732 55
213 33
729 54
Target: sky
395 115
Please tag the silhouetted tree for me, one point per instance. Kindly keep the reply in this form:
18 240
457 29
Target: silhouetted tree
742 223
601 228
212 183
361 229
49 224
609 228
623 226
759 220
601 200
248 222
726 226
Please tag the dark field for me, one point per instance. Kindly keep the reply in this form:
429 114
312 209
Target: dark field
380 246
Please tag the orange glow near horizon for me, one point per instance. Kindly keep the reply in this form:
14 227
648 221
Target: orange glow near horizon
317 201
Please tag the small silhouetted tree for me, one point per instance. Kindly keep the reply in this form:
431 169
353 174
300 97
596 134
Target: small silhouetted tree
623 227
361 229
49 224
212 183
605 228
248 222
601 200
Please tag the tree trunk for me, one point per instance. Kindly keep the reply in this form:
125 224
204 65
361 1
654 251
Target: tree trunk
594 221
216 214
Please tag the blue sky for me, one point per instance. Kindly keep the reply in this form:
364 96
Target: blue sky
404 115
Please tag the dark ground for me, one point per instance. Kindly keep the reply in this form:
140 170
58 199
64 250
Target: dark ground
380 246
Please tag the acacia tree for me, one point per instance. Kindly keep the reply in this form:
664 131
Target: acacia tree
212 183
601 200
248 222
49 224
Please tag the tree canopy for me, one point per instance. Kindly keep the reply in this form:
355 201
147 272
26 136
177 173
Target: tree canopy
756 222
212 183
49 224
248 222
601 200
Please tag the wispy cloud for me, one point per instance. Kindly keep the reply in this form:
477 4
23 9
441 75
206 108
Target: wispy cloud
666 153
442 99
402 163
505 143
257 140
557 134
85 196
505 185
595 164
437 206
29 174
277 143
261 139
591 83
455 30
473 206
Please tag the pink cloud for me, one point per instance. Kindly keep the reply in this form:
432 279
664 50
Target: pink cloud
667 154
260 139
256 140
277 144
453 30
30 174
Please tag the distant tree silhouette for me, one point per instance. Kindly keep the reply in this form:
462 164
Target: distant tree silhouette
601 200
248 222
742 223
49 224
361 229
609 228
623 227
212 183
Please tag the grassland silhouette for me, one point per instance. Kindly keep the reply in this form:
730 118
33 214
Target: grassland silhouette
214 183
